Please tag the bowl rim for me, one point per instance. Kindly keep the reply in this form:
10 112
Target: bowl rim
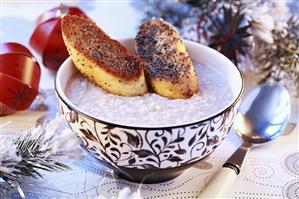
67 102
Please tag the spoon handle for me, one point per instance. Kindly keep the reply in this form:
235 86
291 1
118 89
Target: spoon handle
222 181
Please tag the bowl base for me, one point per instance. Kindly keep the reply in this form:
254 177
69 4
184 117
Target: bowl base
141 175
146 178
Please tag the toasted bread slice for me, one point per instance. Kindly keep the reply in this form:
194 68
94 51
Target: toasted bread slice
102 60
170 70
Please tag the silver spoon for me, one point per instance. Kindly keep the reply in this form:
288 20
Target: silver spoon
263 116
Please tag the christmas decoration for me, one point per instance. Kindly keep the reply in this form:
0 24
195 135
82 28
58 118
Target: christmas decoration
249 33
47 41
230 36
19 78
30 151
125 193
280 61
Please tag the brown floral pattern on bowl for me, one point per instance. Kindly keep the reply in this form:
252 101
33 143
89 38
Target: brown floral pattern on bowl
150 148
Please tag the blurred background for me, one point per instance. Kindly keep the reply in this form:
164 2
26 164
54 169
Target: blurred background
117 18
260 37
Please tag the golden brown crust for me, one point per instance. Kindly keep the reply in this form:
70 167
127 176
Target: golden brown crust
88 39
170 69
102 60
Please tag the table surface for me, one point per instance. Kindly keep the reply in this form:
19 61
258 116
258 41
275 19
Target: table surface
272 168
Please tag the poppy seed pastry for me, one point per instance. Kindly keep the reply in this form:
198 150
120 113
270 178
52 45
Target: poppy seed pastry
102 60
170 70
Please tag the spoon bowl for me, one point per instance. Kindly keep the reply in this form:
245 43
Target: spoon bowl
264 114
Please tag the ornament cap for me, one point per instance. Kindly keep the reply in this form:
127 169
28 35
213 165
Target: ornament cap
46 40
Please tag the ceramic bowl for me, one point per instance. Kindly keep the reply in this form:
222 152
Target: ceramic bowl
153 154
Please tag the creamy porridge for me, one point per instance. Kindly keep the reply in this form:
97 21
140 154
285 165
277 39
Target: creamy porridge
152 109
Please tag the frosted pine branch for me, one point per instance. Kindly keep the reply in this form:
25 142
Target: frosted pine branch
36 149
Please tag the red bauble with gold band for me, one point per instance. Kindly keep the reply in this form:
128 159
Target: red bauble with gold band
46 41
19 78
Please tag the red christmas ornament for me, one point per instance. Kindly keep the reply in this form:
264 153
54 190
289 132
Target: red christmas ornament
19 78
47 41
